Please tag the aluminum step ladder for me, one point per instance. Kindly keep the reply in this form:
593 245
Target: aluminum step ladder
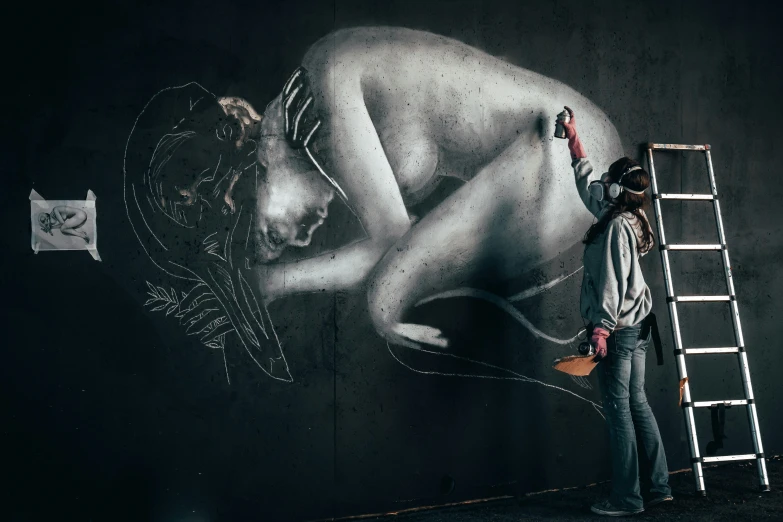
680 352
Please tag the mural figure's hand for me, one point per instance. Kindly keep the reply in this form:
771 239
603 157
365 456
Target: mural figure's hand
598 340
574 143
300 120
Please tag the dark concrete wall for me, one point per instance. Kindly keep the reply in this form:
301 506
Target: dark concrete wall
111 412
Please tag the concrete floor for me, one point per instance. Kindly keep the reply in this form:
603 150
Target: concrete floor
732 494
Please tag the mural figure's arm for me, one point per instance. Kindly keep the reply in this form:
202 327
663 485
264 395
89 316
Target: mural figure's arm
345 268
59 219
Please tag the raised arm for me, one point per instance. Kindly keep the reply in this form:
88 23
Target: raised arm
584 175
583 169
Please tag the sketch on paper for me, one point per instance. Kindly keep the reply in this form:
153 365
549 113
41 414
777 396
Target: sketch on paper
374 119
63 224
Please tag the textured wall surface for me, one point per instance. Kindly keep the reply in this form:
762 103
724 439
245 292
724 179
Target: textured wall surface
112 412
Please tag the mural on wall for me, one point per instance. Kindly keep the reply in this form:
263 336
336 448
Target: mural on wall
63 224
374 119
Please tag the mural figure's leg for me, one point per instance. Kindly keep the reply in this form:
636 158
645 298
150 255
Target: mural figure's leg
491 224
75 232
70 227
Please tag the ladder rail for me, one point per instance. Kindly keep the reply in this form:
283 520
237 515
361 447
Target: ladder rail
742 357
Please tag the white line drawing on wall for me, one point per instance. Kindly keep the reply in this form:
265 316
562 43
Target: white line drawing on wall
510 375
378 117
165 198
64 224
198 312
506 305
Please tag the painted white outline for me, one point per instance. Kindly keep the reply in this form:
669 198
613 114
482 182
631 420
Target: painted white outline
504 305
515 376
530 292
191 276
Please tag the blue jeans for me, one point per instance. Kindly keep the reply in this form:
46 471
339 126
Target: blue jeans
621 375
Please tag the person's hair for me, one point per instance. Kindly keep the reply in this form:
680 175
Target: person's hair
626 202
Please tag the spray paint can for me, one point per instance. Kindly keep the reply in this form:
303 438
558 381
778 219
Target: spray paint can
585 348
560 131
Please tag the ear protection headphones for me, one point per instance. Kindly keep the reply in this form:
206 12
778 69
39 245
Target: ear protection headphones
615 189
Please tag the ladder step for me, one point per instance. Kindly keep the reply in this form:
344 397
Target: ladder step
702 197
673 146
692 247
709 404
749 456
701 351
700 298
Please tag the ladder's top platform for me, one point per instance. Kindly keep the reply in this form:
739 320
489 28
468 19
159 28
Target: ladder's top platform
674 146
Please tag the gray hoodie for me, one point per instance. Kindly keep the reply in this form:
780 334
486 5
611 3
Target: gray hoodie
614 293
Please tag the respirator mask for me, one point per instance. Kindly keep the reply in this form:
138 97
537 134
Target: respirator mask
599 192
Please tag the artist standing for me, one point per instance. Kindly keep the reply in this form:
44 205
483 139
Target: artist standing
615 301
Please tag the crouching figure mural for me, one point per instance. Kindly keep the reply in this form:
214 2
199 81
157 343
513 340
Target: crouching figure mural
374 119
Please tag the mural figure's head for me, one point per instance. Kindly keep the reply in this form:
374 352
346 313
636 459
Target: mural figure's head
292 197
223 150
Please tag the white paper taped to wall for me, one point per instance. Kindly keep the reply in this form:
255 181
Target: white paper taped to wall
64 224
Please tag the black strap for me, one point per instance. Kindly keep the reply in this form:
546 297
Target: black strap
650 324
718 414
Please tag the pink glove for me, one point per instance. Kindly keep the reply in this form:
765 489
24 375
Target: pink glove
598 340
574 143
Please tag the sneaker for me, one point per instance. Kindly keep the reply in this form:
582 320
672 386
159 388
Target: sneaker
607 509
658 500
